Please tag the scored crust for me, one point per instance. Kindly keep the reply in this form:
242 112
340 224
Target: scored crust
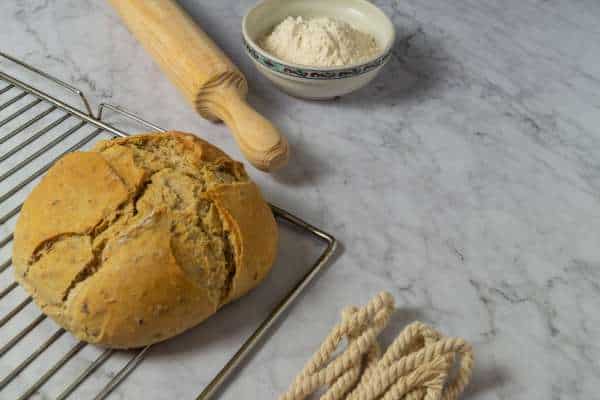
142 238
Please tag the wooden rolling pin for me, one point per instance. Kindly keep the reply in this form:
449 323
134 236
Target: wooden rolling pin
204 74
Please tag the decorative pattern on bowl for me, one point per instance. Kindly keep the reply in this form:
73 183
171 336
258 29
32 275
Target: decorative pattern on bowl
308 73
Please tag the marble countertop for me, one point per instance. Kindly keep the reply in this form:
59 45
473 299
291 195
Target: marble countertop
465 180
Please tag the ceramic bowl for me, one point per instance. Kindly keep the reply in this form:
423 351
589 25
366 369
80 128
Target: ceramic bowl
317 82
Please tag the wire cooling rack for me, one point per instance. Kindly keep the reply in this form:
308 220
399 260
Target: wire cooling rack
21 167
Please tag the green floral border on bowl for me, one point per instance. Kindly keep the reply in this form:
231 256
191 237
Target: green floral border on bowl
307 73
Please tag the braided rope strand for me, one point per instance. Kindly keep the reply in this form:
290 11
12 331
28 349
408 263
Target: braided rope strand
416 366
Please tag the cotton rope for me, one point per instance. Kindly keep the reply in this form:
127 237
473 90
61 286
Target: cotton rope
420 364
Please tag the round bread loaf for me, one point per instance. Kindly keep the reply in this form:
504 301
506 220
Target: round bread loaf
142 238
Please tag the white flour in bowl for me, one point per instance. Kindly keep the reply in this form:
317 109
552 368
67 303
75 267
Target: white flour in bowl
319 42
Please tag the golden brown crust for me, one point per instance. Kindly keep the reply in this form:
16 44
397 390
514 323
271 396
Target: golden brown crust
67 189
259 246
154 288
142 238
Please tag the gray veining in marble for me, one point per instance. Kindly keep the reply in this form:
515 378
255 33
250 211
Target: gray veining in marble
465 180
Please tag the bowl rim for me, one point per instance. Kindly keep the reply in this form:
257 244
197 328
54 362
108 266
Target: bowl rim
344 71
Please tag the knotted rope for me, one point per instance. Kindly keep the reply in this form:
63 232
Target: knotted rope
420 364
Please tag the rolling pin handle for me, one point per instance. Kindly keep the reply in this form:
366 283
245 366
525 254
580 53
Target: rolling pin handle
260 142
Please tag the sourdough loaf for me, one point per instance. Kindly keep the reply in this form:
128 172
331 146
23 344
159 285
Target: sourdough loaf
142 238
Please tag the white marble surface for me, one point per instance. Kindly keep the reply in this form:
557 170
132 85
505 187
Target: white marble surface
465 180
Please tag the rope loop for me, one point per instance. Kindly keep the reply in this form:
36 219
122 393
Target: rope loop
420 364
